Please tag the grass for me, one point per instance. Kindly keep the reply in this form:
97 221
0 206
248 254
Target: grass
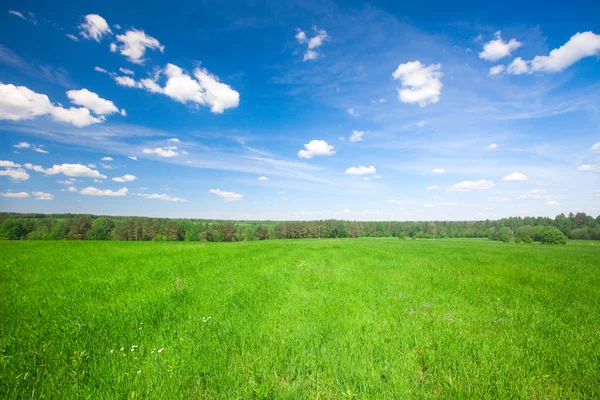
362 318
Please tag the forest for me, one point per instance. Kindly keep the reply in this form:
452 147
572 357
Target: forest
15 226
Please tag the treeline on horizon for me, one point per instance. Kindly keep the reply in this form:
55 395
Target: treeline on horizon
15 226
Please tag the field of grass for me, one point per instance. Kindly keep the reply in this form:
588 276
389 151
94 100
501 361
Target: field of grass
294 319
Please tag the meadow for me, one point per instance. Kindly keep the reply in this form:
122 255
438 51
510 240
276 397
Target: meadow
297 319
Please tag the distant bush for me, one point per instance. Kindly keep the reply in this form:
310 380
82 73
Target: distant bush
505 234
518 239
552 235
527 239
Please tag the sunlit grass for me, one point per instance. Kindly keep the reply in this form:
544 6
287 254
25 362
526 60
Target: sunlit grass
364 318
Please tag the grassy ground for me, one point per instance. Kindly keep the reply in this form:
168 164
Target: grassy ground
363 318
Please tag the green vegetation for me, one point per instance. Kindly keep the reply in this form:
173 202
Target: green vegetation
365 318
90 227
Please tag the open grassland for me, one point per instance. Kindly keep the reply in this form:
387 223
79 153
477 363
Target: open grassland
363 318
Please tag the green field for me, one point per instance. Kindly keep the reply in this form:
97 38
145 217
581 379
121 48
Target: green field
362 318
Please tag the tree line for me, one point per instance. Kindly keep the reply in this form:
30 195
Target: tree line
15 226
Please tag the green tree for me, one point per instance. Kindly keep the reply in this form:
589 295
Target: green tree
552 235
101 229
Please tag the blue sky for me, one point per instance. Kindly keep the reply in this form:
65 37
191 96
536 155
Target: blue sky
300 110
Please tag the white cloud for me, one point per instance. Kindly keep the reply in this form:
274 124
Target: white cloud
16 14
496 49
227 196
125 178
22 145
533 195
589 168
420 85
127 81
13 171
357 136
164 197
40 150
263 178
134 158
438 171
361 170
497 70
595 148
102 70
106 159
352 112
43 196
518 67
312 43
92 191
428 205
94 27
126 71
202 89
450 204
515 177
467 186
316 148
434 187
92 101
392 201
173 140
72 37
580 45
492 146
552 203
166 152
20 103
134 44
498 199
18 195
75 170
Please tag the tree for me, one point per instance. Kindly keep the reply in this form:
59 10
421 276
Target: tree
552 235
12 229
505 234
101 229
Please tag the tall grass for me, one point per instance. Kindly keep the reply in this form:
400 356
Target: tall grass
363 318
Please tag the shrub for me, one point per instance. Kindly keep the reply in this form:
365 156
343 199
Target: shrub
553 236
518 239
527 239
505 234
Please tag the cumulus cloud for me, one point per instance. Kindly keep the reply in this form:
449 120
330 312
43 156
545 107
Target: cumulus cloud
106 159
92 101
126 71
22 145
94 27
164 197
75 170
595 148
552 203
13 171
579 46
125 178
202 89
263 178
467 186
21 103
17 195
434 187
420 84
25 145
311 43
227 196
497 70
166 152
361 170
438 171
515 177
497 48
357 136
492 146
316 148
134 158
133 45
92 191
589 168
43 196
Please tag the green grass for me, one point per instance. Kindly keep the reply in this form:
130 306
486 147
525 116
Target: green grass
363 318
